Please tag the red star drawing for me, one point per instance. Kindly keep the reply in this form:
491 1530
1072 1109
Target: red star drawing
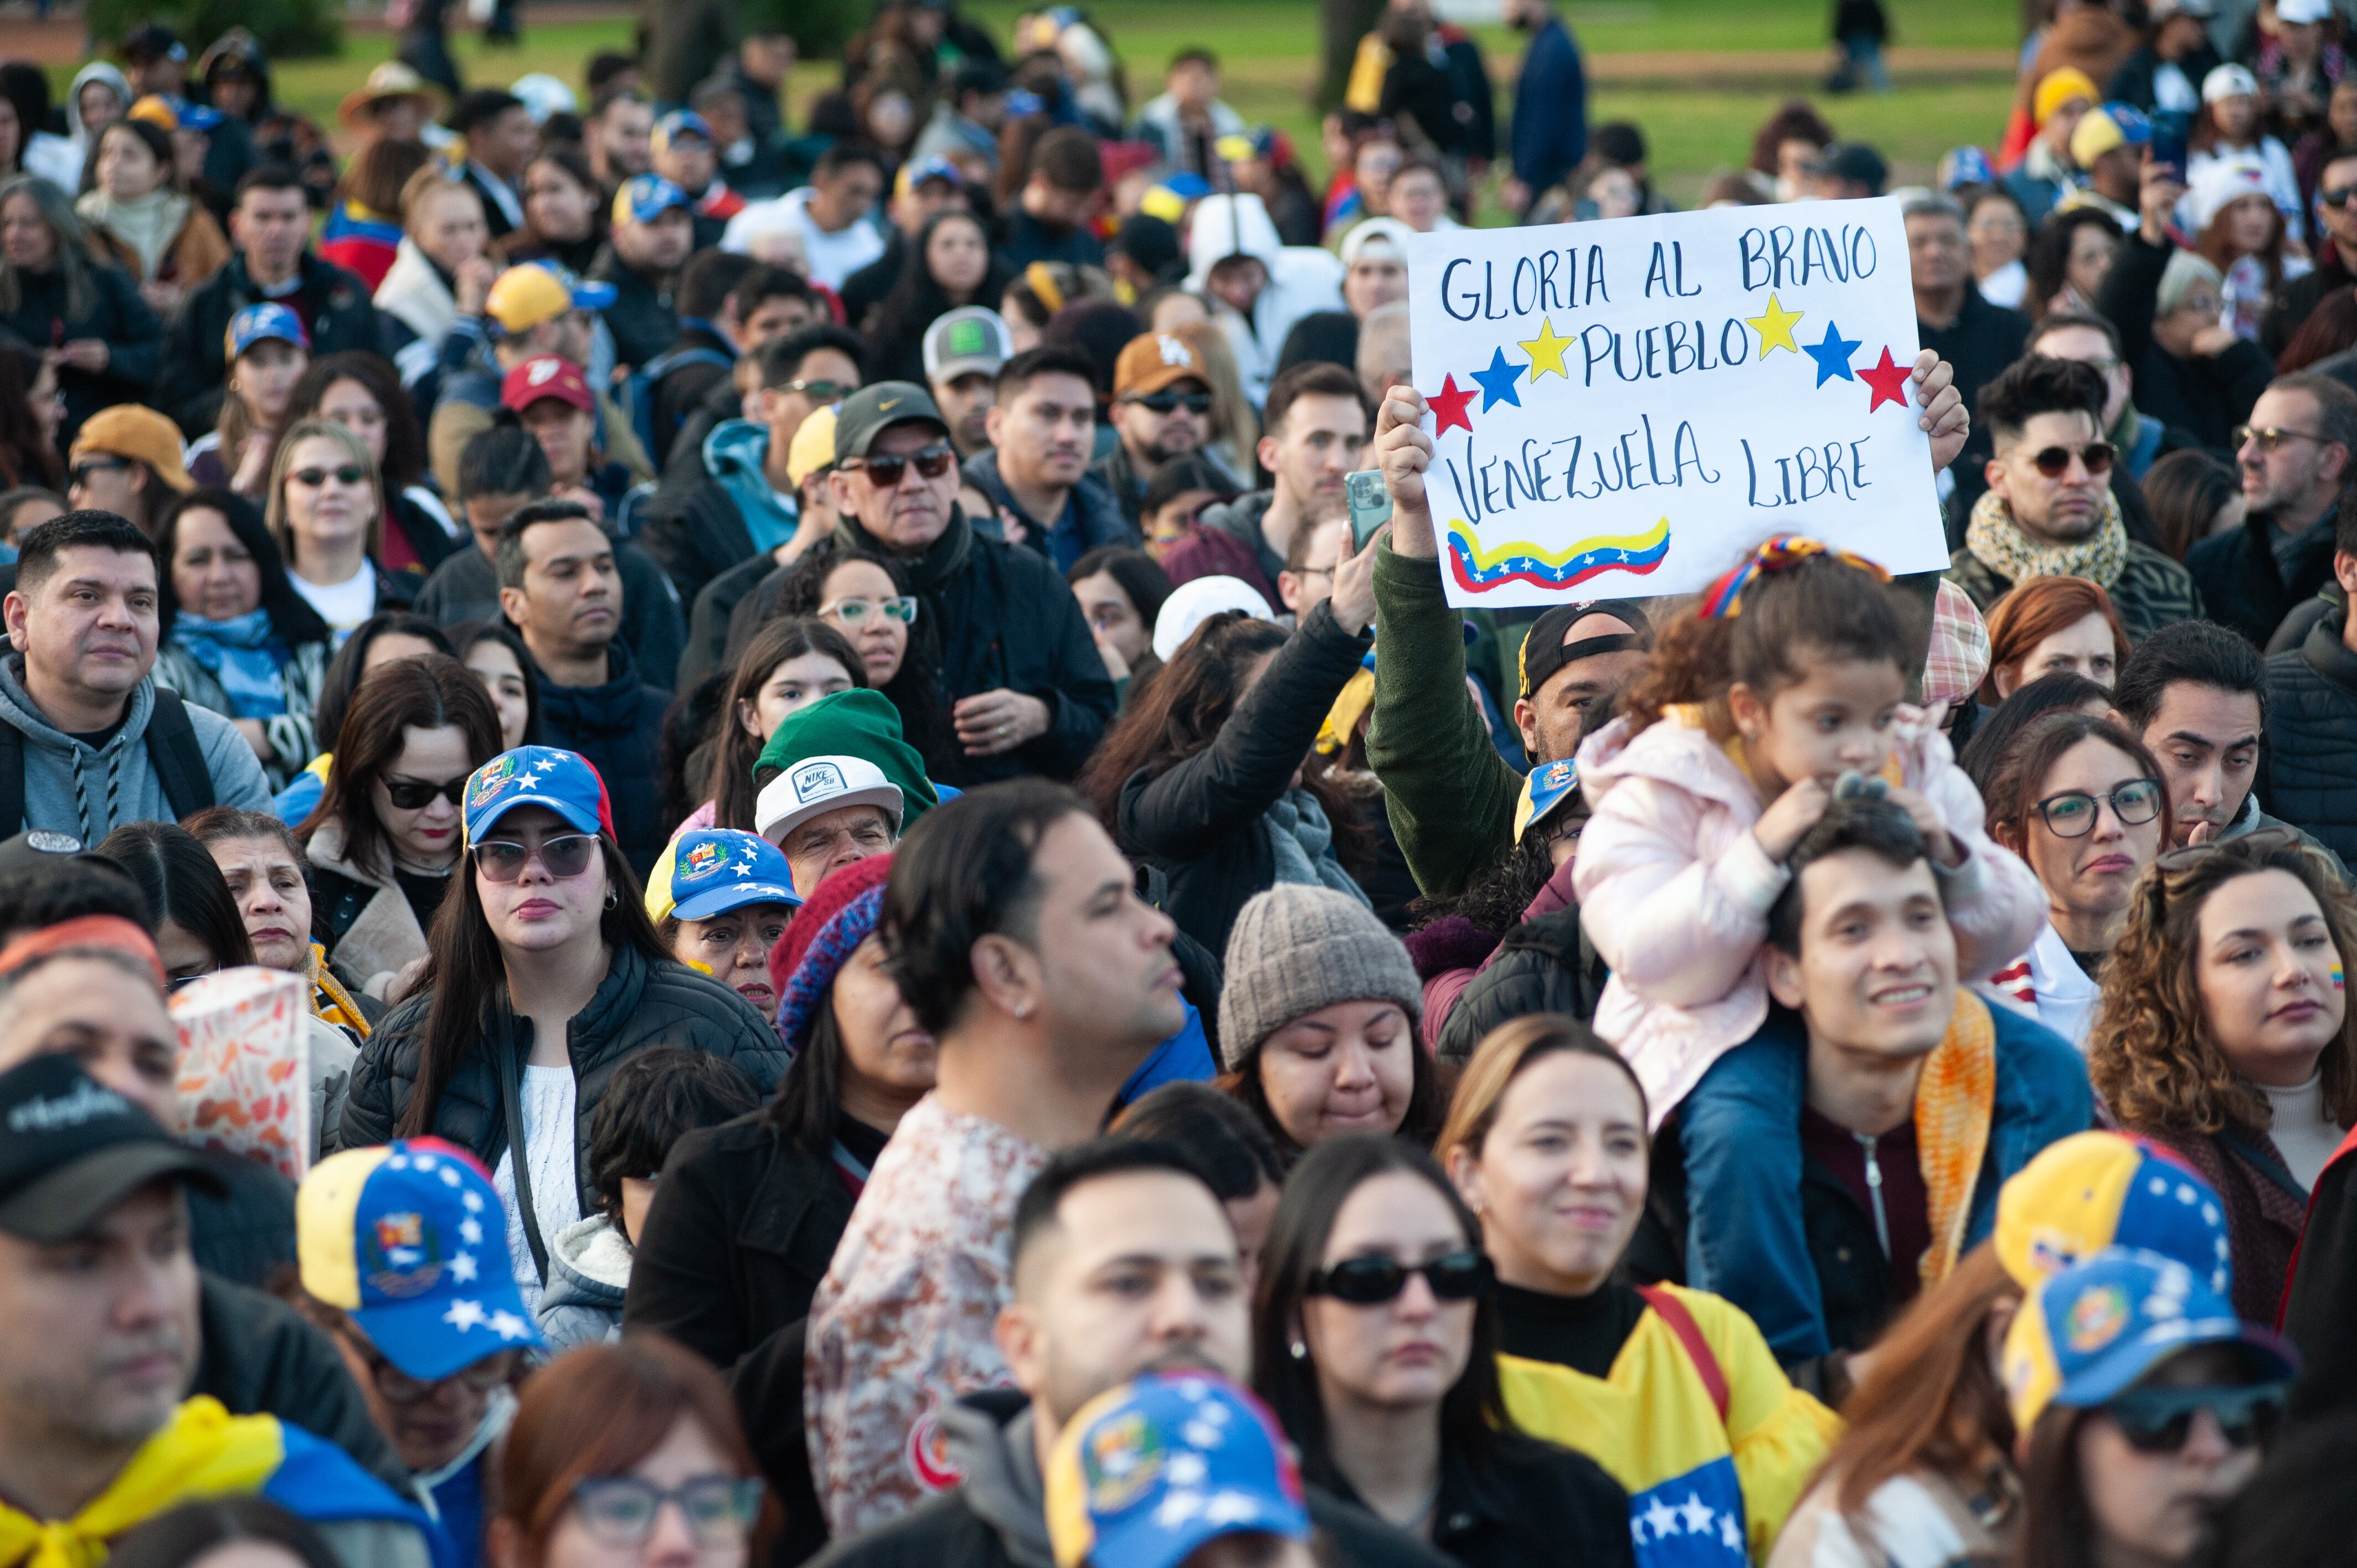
1449 402
1889 382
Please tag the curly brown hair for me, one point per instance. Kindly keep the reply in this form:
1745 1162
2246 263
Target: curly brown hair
2150 1054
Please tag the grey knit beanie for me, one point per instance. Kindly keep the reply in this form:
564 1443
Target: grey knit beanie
1298 948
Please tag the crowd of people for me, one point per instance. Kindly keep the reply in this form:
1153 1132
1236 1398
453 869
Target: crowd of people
897 944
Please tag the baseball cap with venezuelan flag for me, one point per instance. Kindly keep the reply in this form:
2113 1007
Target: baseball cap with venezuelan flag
411 1239
538 776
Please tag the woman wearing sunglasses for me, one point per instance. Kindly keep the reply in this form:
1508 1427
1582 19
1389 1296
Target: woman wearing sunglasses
2223 1034
2144 1406
863 596
1673 1391
2084 802
1376 1344
326 509
543 976
232 634
384 839
629 1456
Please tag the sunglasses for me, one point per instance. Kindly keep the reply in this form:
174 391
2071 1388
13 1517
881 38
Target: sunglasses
2158 1421
2271 439
820 392
2072 814
885 471
83 470
1166 401
312 479
621 1510
854 613
562 856
415 794
1367 1282
2336 197
2055 461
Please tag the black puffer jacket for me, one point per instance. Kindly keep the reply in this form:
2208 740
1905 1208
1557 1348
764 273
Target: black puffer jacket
1201 822
2312 736
1544 965
640 1002
743 1227
1006 619
2242 584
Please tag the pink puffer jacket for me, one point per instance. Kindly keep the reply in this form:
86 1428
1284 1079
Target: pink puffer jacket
1674 891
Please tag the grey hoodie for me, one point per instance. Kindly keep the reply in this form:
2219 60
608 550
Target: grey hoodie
71 788
588 1275
1001 1465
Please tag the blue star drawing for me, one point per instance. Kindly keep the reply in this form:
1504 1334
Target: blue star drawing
1498 381
1832 355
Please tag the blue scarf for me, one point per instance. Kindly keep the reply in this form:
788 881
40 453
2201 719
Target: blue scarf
243 654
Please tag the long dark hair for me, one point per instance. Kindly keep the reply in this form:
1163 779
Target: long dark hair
914 689
917 300
466 634
408 694
2049 260
728 778
2057 1527
345 669
2012 794
183 885
25 457
465 975
78 266
1474 1426
291 615
810 1097
404 439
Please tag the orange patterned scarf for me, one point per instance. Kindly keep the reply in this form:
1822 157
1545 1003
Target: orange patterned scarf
1955 1100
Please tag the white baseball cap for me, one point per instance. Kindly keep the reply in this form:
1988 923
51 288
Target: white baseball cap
2229 81
1373 232
817 785
2302 11
1197 600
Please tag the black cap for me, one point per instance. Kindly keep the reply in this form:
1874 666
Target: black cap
1546 650
71 1149
868 412
154 41
1857 162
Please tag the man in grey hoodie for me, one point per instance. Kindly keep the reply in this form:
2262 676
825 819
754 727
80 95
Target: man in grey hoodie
88 742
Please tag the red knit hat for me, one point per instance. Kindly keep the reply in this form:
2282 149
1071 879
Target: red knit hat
836 918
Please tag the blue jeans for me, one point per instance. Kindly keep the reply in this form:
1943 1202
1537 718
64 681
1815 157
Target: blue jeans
1739 1130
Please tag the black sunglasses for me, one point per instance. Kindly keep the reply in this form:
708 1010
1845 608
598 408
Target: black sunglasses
2338 197
2072 813
2055 461
819 391
1366 1282
415 794
83 470
312 479
886 470
1166 401
2158 1421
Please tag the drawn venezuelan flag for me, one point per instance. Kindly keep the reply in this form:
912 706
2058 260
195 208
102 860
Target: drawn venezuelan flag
1479 571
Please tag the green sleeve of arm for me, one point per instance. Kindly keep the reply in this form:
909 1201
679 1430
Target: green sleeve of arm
1450 795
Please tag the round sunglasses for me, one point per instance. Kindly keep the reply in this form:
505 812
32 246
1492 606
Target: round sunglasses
1369 1282
2055 461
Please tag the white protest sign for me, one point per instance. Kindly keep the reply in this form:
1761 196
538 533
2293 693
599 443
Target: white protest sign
1621 408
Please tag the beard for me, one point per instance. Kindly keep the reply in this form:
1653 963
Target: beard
1161 452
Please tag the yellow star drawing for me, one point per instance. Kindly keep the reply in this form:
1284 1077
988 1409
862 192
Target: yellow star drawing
1547 351
1775 328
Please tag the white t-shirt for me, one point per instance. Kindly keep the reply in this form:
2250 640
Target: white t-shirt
343 606
2301 1134
831 257
551 1101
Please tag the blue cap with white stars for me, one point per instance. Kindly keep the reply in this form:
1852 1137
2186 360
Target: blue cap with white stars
411 1239
715 870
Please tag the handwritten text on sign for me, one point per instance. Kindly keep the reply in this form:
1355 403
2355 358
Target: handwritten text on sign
1621 408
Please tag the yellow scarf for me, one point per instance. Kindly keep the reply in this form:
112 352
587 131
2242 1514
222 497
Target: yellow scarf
1955 1100
203 1451
329 1000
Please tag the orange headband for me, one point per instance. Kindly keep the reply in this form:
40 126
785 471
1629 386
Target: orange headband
111 933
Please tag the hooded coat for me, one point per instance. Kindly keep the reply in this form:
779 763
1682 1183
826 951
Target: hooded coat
709 518
1301 278
88 791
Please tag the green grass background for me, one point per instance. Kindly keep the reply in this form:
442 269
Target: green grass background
1269 52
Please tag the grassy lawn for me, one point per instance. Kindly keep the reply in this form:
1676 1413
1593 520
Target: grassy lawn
1270 52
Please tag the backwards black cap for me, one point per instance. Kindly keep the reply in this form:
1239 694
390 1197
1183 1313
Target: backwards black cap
1544 651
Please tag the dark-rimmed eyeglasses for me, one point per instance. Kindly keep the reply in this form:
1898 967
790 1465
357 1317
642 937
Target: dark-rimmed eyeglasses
621 1510
416 794
567 854
2072 813
2158 1421
2270 438
1166 401
1368 1282
312 479
2055 461
886 470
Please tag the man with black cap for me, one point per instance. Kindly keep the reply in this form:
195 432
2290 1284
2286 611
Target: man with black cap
100 1294
1450 795
1027 687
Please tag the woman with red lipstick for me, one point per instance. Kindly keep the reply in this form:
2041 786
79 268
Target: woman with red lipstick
1376 1342
384 839
2223 1033
2084 803
1673 1391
